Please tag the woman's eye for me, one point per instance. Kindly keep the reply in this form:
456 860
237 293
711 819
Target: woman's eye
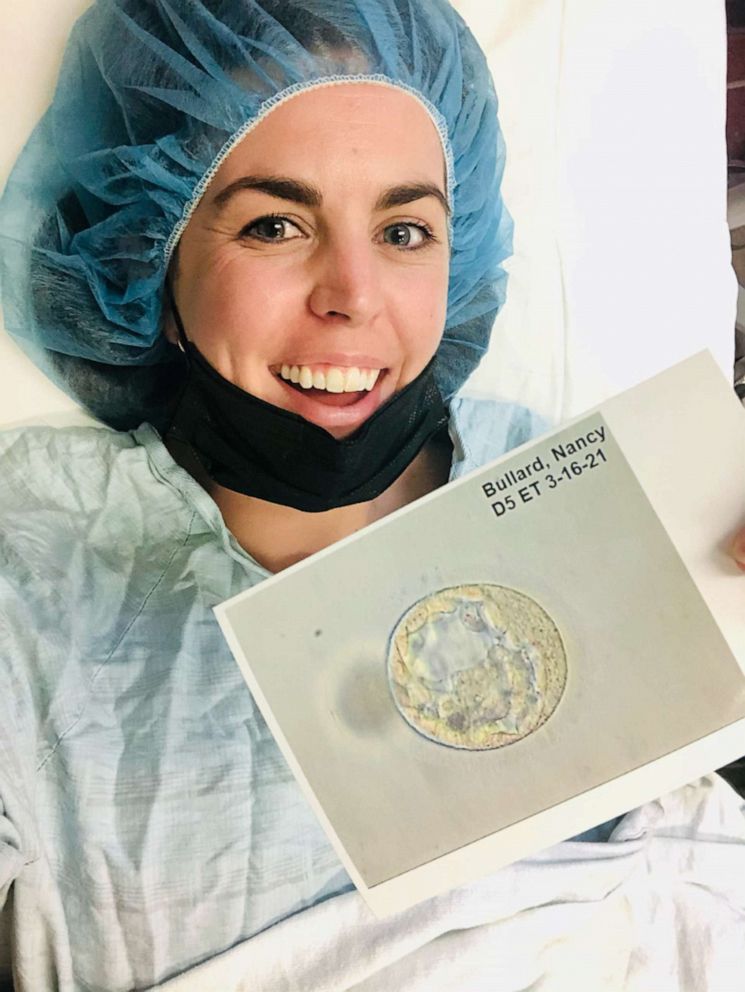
410 236
271 228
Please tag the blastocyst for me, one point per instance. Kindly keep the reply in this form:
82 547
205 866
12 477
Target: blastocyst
476 666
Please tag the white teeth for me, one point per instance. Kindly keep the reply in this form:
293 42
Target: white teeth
354 381
333 380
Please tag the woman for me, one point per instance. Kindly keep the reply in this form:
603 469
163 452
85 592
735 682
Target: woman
287 280
196 152
272 277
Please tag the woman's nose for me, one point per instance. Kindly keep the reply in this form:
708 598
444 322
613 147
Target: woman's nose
346 281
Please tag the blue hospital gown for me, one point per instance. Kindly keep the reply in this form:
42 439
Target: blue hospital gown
147 819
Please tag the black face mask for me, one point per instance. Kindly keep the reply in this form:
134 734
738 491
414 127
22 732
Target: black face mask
258 449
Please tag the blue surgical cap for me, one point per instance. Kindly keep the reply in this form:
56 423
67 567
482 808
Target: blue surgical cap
152 95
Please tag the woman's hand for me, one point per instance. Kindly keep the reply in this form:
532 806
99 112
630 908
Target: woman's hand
737 549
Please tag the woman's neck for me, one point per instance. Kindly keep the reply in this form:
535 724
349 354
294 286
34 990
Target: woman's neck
278 536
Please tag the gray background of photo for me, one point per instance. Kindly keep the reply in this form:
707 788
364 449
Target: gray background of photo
648 670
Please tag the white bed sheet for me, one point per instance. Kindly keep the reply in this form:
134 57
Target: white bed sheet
660 907
616 177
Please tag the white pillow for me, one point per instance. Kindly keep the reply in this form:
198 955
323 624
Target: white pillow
614 118
613 115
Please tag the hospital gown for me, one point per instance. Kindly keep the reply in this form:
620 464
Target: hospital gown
147 818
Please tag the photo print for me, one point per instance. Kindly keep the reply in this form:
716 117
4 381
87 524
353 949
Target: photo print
503 645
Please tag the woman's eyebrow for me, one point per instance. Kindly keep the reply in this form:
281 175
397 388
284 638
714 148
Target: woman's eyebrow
395 196
310 196
279 186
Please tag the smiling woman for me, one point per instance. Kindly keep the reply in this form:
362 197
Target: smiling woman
341 262
261 241
344 291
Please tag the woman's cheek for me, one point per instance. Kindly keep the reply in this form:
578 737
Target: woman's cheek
227 301
430 305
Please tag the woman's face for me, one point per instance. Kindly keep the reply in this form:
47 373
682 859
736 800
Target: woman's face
321 247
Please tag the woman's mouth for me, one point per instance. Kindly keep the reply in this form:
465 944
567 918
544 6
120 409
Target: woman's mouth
333 379
331 396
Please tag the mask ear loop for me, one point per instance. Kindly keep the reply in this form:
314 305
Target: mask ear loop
182 338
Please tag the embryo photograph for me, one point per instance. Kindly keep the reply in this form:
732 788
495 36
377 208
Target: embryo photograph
486 654
476 666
